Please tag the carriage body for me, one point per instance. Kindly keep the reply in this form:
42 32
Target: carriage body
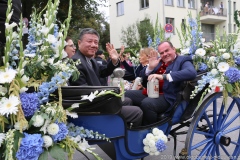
214 133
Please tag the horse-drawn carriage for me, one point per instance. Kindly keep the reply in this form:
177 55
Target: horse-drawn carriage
213 133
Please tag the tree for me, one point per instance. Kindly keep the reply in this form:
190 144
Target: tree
85 14
136 34
145 28
129 36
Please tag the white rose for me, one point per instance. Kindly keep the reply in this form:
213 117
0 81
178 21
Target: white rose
39 121
47 141
226 55
151 143
153 149
150 136
155 131
145 141
53 129
146 149
214 71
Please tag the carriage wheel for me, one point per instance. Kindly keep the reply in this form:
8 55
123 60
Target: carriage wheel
214 132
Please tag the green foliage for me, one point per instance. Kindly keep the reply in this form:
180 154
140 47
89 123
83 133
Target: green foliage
236 18
136 35
145 28
85 14
57 152
129 36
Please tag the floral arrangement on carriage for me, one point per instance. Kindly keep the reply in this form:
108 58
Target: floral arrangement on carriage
220 59
32 126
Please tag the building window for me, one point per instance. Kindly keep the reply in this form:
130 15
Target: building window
144 3
170 21
120 8
169 2
180 3
183 24
191 4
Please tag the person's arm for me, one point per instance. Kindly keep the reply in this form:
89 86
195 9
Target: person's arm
113 54
130 69
188 72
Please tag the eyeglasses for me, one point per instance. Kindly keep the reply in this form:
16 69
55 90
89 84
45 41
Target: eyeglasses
72 45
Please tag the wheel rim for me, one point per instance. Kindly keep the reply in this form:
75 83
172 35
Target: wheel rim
215 132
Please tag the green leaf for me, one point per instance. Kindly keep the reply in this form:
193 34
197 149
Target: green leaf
44 155
57 152
229 88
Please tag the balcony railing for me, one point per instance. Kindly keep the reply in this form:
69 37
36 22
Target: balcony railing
215 11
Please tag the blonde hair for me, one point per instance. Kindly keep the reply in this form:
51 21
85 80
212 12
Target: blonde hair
146 51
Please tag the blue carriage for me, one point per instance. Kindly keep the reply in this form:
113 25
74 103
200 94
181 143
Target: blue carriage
213 126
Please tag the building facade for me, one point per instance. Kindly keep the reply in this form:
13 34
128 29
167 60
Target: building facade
172 13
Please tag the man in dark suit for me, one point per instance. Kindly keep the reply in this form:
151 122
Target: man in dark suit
91 71
171 70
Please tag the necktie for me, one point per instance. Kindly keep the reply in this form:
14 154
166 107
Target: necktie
89 62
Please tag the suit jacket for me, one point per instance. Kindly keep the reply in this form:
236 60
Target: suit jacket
91 75
181 69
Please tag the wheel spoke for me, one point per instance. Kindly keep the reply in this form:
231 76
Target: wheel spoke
208 122
217 152
205 149
224 149
220 118
231 130
215 115
205 133
230 121
228 112
201 143
235 143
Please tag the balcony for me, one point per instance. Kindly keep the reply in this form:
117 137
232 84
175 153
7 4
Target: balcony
213 16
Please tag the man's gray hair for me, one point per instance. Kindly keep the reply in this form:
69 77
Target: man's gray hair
88 31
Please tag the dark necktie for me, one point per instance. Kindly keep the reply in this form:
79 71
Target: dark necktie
89 62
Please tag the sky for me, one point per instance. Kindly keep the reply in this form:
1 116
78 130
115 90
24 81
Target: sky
105 10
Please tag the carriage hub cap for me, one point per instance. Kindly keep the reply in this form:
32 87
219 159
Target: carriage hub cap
221 139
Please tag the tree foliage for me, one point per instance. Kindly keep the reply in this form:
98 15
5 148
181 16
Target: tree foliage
135 35
85 14
129 36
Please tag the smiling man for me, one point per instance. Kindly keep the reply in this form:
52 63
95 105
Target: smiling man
171 70
91 71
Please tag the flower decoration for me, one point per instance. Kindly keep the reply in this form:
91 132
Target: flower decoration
220 61
155 142
31 147
32 123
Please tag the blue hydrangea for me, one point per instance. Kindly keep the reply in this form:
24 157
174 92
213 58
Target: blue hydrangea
31 147
62 133
202 67
233 75
161 146
30 103
237 60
